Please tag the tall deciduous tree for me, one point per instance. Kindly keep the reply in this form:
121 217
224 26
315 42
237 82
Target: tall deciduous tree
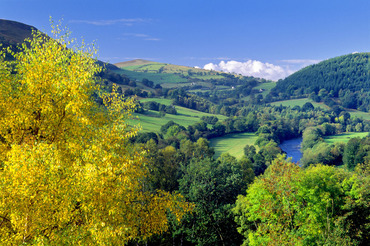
68 174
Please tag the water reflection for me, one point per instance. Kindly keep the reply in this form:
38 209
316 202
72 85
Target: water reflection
293 148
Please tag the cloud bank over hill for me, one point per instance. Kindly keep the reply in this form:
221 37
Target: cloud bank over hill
260 69
251 68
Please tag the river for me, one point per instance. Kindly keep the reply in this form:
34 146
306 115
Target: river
293 148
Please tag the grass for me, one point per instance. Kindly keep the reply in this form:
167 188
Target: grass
151 122
299 102
136 62
359 114
157 78
266 87
158 100
233 143
344 137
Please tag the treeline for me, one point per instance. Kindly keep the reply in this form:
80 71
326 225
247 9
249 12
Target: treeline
345 77
181 98
236 95
151 105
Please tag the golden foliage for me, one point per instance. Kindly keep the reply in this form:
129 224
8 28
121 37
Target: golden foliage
68 173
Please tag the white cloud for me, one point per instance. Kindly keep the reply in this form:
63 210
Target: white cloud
137 35
127 22
251 68
140 36
301 62
153 39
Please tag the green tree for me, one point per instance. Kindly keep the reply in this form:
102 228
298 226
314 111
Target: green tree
213 187
320 205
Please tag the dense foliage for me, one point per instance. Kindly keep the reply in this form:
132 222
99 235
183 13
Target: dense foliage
320 205
68 172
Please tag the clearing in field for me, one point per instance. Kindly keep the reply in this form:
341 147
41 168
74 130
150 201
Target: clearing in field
344 137
233 143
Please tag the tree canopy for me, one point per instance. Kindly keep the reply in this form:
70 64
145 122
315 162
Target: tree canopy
68 172
320 205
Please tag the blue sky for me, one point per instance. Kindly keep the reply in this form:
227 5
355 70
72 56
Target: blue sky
265 38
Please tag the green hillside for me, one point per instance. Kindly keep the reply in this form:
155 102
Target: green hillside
143 66
169 75
151 121
343 80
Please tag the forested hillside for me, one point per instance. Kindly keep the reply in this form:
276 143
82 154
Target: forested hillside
343 80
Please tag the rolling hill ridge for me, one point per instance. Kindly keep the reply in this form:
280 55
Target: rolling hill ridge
13 33
343 80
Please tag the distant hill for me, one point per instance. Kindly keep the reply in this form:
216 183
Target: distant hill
141 77
170 76
137 62
343 80
13 33
144 66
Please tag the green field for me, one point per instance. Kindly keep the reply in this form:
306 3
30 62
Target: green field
233 143
157 78
344 137
359 114
158 100
266 87
151 122
299 102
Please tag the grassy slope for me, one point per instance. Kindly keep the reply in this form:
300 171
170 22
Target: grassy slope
151 122
299 102
158 78
359 114
233 143
344 137
266 87
158 100
161 73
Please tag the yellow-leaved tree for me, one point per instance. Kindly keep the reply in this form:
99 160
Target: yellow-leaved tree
68 174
